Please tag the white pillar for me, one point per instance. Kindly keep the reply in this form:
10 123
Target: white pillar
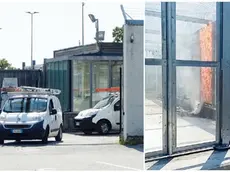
133 68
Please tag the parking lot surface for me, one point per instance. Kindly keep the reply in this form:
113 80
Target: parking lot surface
76 152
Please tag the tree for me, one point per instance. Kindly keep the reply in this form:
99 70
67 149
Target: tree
4 64
118 34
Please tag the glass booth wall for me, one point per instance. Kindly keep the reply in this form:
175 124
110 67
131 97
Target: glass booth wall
116 73
100 81
104 75
81 85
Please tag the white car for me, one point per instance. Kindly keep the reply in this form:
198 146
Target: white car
28 116
103 117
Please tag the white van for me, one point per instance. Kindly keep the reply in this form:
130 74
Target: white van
31 115
103 117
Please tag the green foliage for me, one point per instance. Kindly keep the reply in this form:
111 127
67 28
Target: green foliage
118 34
135 140
4 64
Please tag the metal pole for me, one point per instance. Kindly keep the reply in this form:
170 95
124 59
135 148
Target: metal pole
32 40
31 44
83 23
120 127
97 30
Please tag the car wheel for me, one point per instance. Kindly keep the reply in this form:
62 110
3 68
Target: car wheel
103 127
45 137
58 138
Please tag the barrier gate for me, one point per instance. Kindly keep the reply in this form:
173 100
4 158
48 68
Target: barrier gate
187 77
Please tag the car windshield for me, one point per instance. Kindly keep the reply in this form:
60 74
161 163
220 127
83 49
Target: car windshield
104 102
17 105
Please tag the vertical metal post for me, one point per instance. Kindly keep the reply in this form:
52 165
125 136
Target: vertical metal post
70 74
31 41
31 44
23 65
165 133
120 100
91 84
110 74
97 30
219 78
83 23
44 73
224 50
171 55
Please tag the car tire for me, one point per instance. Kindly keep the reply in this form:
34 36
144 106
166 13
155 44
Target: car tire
58 138
46 136
1 142
103 127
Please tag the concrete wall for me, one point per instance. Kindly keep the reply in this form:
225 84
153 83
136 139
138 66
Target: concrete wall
133 82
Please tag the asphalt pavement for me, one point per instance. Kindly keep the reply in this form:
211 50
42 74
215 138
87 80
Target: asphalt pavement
76 152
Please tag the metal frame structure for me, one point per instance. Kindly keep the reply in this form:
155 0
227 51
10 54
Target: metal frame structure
90 56
169 64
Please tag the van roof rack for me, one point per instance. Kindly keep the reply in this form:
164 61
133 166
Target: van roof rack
37 90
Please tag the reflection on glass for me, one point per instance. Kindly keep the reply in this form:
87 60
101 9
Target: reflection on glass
153 108
195 31
100 81
196 107
116 74
81 85
153 30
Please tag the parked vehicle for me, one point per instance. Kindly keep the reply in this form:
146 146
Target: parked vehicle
103 117
31 113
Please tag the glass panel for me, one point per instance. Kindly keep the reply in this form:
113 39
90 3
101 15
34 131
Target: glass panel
153 108
195 31
196 107
81 85
100 81
153 30
116 74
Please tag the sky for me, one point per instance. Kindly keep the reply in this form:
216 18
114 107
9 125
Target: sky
58 25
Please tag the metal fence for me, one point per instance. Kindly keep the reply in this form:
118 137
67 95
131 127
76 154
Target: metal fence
32 78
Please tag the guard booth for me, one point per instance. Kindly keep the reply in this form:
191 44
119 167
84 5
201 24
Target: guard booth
187 77
84 74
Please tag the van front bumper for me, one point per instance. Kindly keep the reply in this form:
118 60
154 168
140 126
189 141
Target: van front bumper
36 131
85 124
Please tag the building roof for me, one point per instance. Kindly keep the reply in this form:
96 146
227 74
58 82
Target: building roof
103 48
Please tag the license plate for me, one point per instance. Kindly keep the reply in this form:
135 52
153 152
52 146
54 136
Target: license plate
16 131
77 123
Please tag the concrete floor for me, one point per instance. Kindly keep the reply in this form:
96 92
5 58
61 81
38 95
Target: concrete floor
209 160
190 130
76 152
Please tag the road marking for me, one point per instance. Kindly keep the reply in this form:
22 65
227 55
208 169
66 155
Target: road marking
46 169
120 166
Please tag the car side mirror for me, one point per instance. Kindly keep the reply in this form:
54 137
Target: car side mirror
53 112
116 108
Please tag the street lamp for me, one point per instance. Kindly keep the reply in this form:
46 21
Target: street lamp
94 20
32 14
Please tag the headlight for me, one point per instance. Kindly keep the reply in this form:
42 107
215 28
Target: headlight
37 118
90 115
2 118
